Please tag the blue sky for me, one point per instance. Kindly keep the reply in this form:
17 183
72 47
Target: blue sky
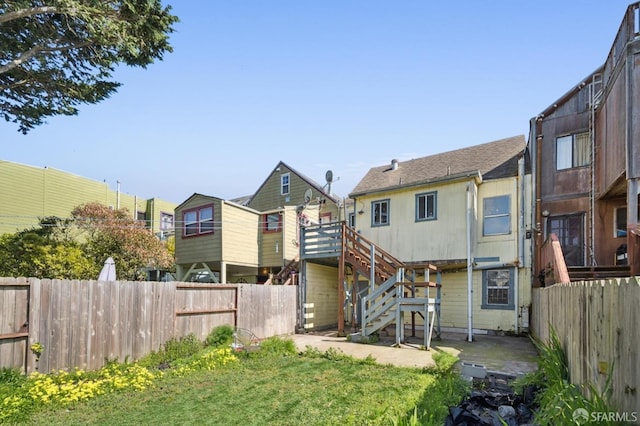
340 85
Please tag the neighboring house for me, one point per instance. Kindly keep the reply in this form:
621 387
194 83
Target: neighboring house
585 154
29 193
251 239
464 212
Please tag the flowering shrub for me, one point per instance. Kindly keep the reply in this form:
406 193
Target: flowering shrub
67 387
208 361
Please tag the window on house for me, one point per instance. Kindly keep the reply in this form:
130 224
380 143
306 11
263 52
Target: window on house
572 151
141 217
198 221
284 184
166 221
497 289
497 215
426 206
620 225
380 213
570 232
352 220
272 222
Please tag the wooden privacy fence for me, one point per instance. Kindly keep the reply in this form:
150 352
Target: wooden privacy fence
598 323
83 323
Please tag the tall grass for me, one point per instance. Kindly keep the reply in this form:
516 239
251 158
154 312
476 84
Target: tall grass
559 399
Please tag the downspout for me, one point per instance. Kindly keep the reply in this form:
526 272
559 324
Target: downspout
469 267
538 237
521 234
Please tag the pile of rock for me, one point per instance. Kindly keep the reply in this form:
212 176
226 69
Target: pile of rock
494 402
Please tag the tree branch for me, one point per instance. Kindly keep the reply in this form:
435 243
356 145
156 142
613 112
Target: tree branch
22 58
23 13
35 50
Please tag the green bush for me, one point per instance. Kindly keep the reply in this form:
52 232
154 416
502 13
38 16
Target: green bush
220 336
11 376
444 363
558 398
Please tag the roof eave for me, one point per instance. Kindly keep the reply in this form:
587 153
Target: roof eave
462 176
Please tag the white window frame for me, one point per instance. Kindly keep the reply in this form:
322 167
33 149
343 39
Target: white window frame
194 224
285 184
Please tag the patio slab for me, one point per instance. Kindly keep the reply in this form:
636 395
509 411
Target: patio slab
511 355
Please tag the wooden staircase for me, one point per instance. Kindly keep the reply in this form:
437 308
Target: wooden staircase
391 294
285 276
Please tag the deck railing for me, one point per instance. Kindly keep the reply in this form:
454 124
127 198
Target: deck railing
554 269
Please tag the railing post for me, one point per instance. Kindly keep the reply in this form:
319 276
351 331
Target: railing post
363 315
302 240
372 272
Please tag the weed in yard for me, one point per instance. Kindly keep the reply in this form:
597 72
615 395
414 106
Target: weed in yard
171 351
221 335
278 346
557 398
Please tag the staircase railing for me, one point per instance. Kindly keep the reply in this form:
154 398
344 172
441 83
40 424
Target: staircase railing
363 254
380 302
633 249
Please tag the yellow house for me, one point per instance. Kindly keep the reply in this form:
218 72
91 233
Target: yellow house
464 212
252 239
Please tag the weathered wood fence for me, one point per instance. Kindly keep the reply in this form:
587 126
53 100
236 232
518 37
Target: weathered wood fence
598 323
83 323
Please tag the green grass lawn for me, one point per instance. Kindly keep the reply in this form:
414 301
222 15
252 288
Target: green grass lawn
276 388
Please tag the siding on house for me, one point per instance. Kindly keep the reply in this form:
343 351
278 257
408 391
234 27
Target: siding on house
321 291
271 251
503 248
454 312
290 243
240 227
201 248
269 196
415 241
29 193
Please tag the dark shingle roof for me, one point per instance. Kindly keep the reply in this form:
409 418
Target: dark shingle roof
493 160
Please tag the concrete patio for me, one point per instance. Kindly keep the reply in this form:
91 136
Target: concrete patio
509 355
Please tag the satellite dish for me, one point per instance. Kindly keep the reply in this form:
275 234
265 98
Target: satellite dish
307 195
329 176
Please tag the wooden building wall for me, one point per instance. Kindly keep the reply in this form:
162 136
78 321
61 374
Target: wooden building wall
239 235
409 240
321 291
